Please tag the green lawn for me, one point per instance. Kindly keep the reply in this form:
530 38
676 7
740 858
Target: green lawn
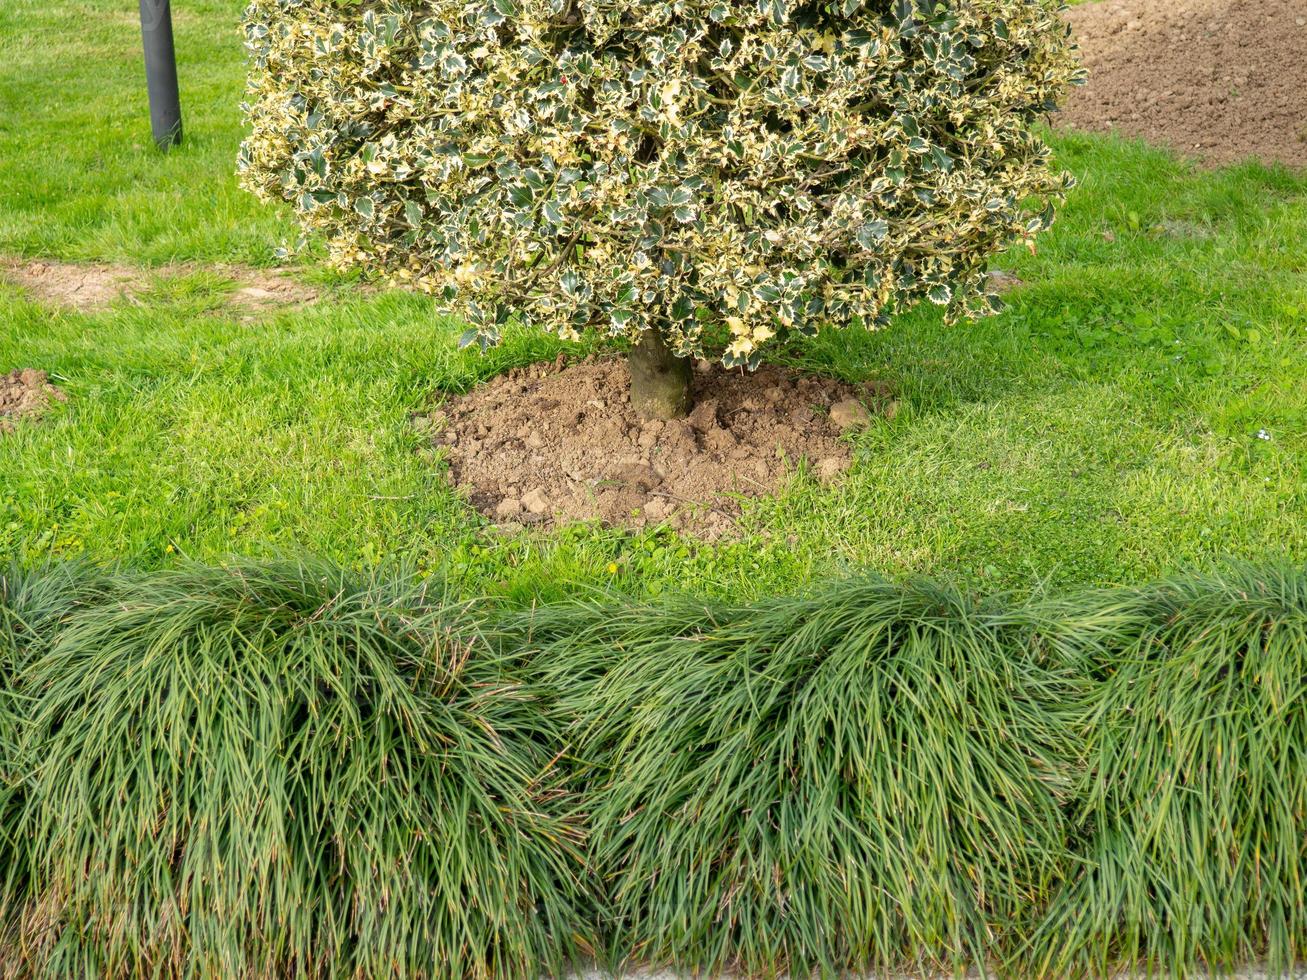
1105 429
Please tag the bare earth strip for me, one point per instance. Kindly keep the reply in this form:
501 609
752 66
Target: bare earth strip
95 286
1217 80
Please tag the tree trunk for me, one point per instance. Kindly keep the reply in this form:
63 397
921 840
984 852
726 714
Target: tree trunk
660 381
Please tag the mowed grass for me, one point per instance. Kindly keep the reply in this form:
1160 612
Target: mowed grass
1141 407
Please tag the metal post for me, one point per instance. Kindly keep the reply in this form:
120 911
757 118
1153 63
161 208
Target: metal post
161 73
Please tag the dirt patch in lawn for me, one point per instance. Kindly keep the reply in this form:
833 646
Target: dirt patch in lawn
259 289
25 394
1218 80
78 287
559 442
92 287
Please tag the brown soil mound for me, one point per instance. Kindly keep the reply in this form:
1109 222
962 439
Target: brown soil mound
87 288
1220 80
561 443
25 393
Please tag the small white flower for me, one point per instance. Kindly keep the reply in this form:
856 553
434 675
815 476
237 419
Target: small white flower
1263 435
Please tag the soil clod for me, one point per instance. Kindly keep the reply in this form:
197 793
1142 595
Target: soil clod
849 413
25 394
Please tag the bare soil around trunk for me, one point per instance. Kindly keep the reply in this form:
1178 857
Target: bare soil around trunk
553 443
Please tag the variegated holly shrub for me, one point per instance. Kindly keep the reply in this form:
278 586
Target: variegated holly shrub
714 173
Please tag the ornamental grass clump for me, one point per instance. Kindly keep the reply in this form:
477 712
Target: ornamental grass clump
12 583
33 606
1191 827
873 778
281 770
695 176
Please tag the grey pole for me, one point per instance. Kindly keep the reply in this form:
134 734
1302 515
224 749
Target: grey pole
161 73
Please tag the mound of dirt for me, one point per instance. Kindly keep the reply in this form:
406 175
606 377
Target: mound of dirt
1218 80
87 288
25 393
557 443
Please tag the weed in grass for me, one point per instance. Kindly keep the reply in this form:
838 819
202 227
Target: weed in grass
871 778
284 769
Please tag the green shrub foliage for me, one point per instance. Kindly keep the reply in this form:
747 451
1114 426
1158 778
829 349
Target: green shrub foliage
281 771
725 171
